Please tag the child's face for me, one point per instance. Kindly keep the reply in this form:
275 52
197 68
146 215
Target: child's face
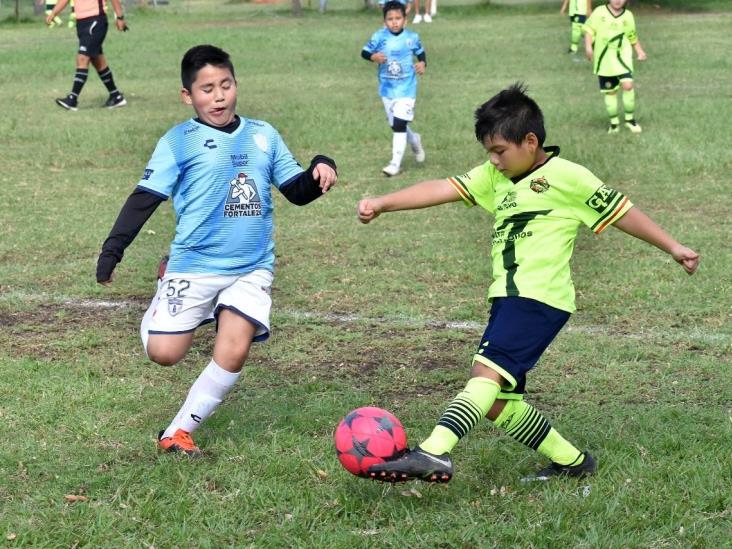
509 158
212 95
617 4
394 20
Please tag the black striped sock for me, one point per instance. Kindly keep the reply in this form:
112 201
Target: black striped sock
79 81
106 76
526 425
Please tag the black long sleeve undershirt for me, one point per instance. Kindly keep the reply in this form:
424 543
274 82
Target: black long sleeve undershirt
367 56
137 210
303 189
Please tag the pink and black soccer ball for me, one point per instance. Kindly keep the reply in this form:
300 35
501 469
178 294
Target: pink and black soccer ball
368 436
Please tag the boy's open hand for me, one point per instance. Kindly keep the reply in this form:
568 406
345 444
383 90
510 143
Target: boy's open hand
325 176
368 210
419 67
687 258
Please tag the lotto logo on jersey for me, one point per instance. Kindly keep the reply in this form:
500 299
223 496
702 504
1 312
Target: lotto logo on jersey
243 199
601 199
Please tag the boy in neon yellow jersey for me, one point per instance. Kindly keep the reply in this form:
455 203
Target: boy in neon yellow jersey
609 34
578 10
539 202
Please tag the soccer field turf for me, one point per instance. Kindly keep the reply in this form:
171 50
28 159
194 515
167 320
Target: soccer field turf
387 314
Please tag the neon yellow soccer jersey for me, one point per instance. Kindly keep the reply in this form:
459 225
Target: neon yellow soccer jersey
613 37
536 222
577 7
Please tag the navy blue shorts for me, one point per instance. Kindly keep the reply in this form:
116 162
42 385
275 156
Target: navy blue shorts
519 331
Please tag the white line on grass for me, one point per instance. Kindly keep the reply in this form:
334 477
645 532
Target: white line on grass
693 334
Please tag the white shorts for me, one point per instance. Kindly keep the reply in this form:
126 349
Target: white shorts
401 107
184 302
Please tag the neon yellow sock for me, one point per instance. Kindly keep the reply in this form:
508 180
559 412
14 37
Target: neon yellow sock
611 106
629 104
526 424
463 413
575 36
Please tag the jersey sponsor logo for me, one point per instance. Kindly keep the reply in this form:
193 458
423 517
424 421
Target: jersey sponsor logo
394 69
602 198
146 175
191 130
243 199
539 185
239 160
508 202
209 144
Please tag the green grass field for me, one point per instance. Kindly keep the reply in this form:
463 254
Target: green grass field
387 314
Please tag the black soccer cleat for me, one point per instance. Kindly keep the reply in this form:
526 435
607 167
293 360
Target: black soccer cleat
114 101
414 464
68 103
586 468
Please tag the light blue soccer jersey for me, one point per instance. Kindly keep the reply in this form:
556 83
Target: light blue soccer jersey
397 77
221 188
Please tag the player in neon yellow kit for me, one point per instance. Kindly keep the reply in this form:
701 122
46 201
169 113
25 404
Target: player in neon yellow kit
578 10
539 202
610 37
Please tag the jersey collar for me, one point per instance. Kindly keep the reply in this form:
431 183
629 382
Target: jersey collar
230 128
607 6
552 151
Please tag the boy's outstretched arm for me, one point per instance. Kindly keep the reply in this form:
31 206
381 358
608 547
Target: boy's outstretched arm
421 195
137 210
639 225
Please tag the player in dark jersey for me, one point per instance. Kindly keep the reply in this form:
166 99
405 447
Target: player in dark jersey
91 28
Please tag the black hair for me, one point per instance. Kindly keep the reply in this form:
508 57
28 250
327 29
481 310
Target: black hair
392 5
198 57
510 114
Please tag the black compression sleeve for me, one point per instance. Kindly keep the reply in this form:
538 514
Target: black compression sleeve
366 55
303 189
137 210
422 57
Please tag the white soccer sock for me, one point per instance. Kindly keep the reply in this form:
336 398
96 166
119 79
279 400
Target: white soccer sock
205 395
412 137
398 146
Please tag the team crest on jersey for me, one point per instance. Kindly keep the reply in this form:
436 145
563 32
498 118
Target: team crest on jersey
243 199
394 68
539 185
261 141
175 305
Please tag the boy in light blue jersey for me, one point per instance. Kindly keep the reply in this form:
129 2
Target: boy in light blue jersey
219 169
392 48
406 3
